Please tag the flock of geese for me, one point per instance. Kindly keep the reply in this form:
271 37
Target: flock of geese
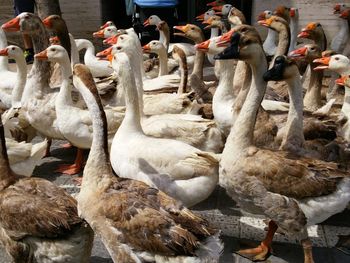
163 133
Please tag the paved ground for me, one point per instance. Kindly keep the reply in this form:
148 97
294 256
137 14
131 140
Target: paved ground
238 229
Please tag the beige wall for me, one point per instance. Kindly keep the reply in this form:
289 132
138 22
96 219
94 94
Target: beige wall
309 11
82 17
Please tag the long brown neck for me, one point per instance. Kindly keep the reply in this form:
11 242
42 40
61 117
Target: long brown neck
283 42
63 35
184 73
6 174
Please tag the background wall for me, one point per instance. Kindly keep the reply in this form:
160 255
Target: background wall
83 16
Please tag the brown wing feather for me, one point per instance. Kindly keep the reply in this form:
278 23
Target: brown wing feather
36 207
292 176
151 221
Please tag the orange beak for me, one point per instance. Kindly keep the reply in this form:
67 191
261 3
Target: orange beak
304 34
214 3
218 8
105 53
266 22
200 17
262 16
324 63
341 81
54 40
225 38
300 52
47 22
111 40
99 34
344 14
292 12
110 57
208 22
204 46
146 48
105 25
183 29
4 52
146 23
12 25
42 55
336 9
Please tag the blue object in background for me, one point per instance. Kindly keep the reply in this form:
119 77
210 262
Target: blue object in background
156 3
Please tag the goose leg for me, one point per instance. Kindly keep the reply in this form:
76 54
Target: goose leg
73 168
307 246
261 252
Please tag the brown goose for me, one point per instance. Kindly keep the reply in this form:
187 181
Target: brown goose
38 219
137 223
292 192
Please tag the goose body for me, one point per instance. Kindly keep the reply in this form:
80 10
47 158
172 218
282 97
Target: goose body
304 191
99 68
105 201
170 165
61 236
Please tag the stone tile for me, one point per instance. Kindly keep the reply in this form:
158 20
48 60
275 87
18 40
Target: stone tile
332 232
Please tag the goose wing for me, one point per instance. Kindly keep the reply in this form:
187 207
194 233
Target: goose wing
36 207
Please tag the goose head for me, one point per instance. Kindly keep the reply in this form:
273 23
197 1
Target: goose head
154 47
311 30
210 46
236 17
13 52
294 13
153 20
338 8
222 9
106 32
284 12
283 69
216 3
309 52
213 21
25 22
338 63
107 24
345 14
265 15
245 44
54 53
54 22
274 22
206 15
191 32
54 40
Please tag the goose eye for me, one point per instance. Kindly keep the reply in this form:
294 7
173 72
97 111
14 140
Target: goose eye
312 48
336 58
108 30
150 18
26 17
53 49
192 28
13 48
119 48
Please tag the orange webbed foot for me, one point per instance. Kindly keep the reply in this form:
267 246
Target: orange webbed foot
69 169
259 253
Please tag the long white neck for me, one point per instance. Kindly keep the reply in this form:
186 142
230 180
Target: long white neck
98 164
214 32
339 41
64 97
3 43
164 37
241 134
294 29
198 64
37 84
224 90
163 62
132 119
270 42
74 51
21 79
137 65
294 137
90 49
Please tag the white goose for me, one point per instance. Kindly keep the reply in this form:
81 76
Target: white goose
192 129
74 123
99 68
182 171
164 36
270 41
7 77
